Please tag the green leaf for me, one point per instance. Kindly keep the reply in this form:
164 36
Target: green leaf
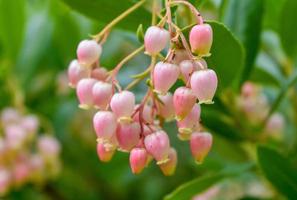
281 95
214 121
12 20
279 171
69 29
36 44
288 28
262 76
244 18
106 10
199 185
272 14
227 55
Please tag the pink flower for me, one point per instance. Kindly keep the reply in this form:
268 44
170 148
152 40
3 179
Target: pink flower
105 124
10 115
84 92
138 160
15 136
48 146
183 101
30 123
166 108
102 93
204 84
165 75
201 39
186 69
104 153
187 125
88 52
155 39
128 135
157 144
169 167
99 74
200 145
76 72
122 104
147 114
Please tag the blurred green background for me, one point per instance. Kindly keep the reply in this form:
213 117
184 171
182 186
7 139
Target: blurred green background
38 39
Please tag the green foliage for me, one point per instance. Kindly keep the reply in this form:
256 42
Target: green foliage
279 171
105 11
288 28
244 18
197 186
12 22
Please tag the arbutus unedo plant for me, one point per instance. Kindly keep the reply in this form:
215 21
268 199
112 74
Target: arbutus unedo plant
123 124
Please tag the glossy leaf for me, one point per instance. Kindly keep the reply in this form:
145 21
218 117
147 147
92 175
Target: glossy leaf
227 55
288 28
199 185
214 121
12 21
272 14
36 42
105 11
279 171
244 18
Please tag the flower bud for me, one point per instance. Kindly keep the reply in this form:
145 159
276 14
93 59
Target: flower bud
200 64
10 115
88 52
99 74
157 144
201 39
183 101
275 125
104 153
15 136
30 123
165 75
122 104
48 146
187 125
200 145
147 114
166 108
84 92
169 167
204 84
76 72
102 93
138 160
128 136
105 124
249 90
186 69
155 40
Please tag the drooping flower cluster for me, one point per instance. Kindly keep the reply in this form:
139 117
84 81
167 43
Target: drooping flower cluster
122 124
254 104
25 156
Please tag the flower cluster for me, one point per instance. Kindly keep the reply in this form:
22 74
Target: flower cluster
121 123
255 106
25 156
